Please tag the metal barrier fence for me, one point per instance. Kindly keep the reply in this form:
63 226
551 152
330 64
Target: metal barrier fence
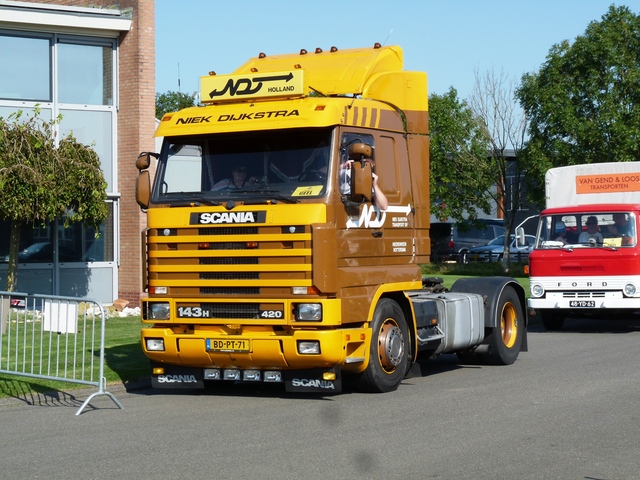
54 338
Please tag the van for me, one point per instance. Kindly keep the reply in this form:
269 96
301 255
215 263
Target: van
452 241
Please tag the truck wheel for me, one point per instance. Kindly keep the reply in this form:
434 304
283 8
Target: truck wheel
506 338
552 320
389 357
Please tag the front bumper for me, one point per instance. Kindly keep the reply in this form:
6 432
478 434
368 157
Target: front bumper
263 347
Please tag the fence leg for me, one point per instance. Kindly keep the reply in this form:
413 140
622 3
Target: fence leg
102 391
5 308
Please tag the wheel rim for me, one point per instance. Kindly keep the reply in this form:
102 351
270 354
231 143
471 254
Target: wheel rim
390 345
509 325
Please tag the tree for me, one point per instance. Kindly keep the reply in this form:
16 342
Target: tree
584 103
40 181
503 127
172 102
460 179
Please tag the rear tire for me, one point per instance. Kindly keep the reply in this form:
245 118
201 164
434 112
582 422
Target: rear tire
552 320
506 338
389 350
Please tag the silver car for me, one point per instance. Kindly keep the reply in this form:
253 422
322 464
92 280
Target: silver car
494 250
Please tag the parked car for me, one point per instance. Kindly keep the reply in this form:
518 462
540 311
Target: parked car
494 250
42 252
451 241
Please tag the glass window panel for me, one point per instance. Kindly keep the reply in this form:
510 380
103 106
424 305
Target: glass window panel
89 127
35 243
45 113
85 74
78 243
26 68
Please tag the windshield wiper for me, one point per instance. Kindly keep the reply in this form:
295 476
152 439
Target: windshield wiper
268 194
186 199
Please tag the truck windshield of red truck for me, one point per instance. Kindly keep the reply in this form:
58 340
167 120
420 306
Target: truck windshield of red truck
588 228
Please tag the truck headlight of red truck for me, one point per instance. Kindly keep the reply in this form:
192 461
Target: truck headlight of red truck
537 290
629 289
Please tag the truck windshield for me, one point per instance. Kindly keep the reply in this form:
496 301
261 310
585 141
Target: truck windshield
587 229
286 165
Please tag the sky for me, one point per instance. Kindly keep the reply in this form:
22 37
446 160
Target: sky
451 40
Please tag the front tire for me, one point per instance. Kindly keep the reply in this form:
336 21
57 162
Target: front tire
506 338
389 350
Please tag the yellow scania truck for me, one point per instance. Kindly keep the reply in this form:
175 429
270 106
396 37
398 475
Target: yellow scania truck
287 221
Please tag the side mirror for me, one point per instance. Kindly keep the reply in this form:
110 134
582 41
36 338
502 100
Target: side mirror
521 240
361 181
143 182
143 189
357 151
144 160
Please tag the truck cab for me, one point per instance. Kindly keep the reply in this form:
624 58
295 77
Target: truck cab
586 257
287 222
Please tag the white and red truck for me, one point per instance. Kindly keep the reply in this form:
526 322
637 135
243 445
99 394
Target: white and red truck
586 259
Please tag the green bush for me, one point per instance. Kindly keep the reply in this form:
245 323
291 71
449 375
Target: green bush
475 269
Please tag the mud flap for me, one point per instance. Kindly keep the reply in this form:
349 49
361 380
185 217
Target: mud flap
175 376
311 380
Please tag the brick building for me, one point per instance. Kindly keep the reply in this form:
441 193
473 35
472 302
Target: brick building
93 61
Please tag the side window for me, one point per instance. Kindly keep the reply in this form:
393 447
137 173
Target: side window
344 181
183 170
349 138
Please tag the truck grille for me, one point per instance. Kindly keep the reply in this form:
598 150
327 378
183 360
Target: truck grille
239 260
583 295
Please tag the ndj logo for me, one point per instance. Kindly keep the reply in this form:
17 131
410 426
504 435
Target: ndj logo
372 217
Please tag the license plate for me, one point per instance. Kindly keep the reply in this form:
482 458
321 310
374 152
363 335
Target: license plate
582 303
228 345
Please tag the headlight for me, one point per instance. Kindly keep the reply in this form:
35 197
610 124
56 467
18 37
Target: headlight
629 289
155 344
537 290
309 312
212 374
159 311
310 347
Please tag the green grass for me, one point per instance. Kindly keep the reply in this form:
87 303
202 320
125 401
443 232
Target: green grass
450 272
125 362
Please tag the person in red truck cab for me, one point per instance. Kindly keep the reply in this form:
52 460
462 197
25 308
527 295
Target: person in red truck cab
593 232
621 225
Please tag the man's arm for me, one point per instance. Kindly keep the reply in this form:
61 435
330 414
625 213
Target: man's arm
379 197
